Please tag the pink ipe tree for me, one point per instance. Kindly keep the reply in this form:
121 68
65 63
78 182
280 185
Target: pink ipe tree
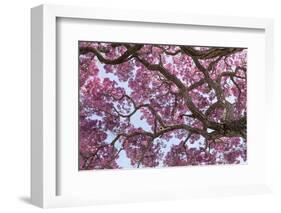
148 105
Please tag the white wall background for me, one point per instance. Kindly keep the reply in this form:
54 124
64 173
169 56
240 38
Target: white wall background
15 99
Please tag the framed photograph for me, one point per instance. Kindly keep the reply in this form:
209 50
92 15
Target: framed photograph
130 106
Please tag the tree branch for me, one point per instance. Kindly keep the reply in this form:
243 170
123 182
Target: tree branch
211 53
123 58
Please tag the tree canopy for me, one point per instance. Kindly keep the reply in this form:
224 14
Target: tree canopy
192 101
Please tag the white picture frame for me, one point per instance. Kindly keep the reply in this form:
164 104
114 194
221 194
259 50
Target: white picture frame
44 148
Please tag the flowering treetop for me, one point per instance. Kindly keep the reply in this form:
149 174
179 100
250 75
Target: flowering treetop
195 95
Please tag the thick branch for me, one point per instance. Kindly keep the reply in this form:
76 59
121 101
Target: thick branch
183 89
163 71
123 58
211 53
208 79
